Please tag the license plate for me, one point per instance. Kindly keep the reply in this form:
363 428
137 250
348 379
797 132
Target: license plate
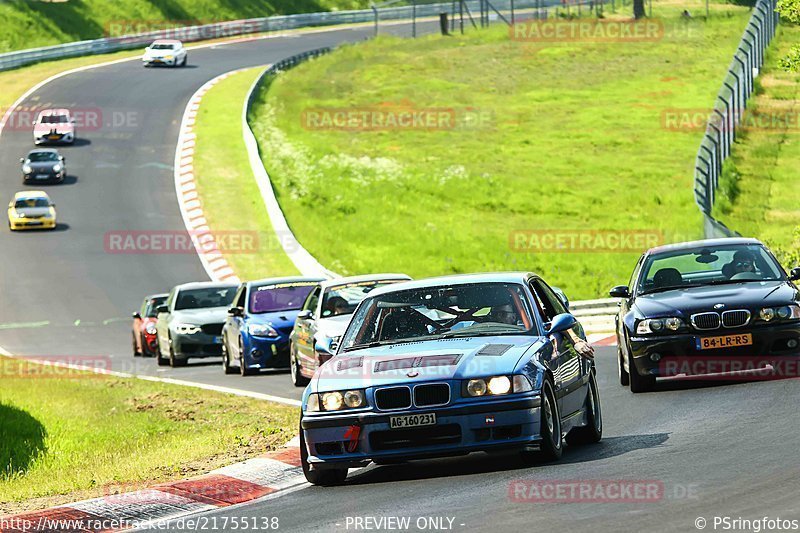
34 223
217 340
54 137
726 341
410 421
42 176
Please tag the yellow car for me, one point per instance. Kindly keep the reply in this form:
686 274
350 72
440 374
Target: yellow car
31 210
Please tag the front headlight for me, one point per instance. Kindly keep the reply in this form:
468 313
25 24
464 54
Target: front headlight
496 386
336 400
187 329
786 312
261 330
658 325
26 169
168 57
150 328
19 214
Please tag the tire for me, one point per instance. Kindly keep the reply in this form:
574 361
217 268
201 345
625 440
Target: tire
161 361
552 444
185 60
174 362
136 353
243 370
298 379
226 360
593 430
324 478
624 377
639 383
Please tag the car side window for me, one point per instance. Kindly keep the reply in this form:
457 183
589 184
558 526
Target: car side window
547 298
312 301
171 299
143 309
635 275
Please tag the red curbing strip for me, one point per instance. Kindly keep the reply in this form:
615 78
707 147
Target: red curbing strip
611 340
216 489
287 455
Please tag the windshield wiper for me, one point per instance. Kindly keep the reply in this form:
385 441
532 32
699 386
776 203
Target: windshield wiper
372 344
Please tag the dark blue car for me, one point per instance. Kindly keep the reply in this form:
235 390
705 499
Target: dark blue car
256 332
450 366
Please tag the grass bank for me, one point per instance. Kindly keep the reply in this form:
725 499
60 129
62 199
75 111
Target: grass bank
543 140
66 434
34 24
229 193
760 197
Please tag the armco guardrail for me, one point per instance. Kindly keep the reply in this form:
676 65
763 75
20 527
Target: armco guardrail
241 27
737 86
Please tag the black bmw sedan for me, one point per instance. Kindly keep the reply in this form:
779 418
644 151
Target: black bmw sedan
693 307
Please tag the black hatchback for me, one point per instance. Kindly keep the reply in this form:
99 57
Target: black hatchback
713 307
43 165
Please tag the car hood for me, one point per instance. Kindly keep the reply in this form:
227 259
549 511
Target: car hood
32 211
333 327
279 320
207 315
159 53
442 359
43 166
61 127
745 295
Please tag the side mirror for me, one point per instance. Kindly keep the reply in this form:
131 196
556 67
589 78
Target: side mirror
62 158
137 315
794 275
305 314
22 160
620 291
561 296
324 347
162 309
561 322
236 311
52 205
10 204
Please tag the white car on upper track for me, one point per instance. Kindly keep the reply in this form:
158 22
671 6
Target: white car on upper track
168 52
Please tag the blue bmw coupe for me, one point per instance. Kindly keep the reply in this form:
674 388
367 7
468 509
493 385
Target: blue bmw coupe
449 366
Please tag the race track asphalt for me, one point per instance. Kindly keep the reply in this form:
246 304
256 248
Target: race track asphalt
66 295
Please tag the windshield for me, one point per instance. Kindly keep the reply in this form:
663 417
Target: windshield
54 119
152 304
708 266
343 299
40 157
431 312
162 46
272 298
206 297
31 202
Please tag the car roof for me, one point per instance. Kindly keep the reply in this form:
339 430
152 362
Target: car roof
49 112
335 282
43 150
458 279
160 295
205 285
701 243
31 194
285 279
166 41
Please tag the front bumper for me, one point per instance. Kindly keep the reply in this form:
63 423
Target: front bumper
159 61
267 352
44 177
57 138
196 345
770 343
32 223
149 344
461 429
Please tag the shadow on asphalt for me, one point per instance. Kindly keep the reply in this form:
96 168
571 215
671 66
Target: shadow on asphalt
482 463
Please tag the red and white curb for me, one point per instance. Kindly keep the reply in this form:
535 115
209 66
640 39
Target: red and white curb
154 506
214 262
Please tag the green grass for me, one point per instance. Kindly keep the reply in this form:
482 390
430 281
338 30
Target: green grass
32 24
765 160
66 434
229 193
573 141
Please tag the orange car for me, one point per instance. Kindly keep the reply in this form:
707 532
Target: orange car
144 326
